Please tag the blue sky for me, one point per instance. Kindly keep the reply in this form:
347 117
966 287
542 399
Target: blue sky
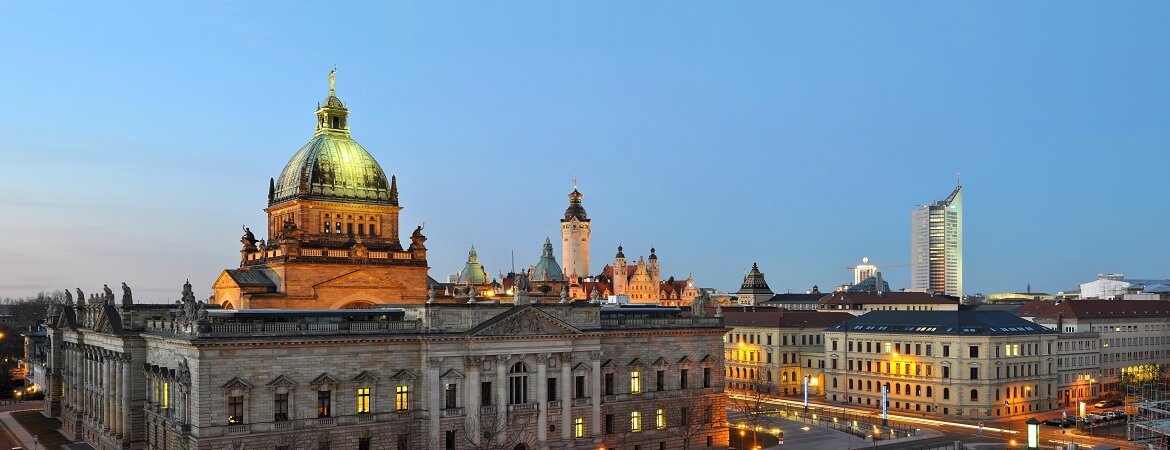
139 137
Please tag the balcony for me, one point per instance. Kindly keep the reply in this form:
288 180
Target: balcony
554 404
283 425
661 322
485 410
522 407
581 401
365 418
452 412
326 421
237 429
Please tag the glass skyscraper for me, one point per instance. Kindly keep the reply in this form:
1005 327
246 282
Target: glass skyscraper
936 246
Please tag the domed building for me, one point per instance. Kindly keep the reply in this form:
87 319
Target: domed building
333 232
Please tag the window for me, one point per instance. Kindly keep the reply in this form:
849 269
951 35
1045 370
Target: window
324 403
364 443
280 407
609 384
452 394
974 395
165 398
635 382
973 351
706 377
363 400
579 386
682 379
449 440
946 393
946 372
635 421
235 409
608 423
684 416
579 427
402 398
485 393
660 380
660 418
552 389
946 351
974 373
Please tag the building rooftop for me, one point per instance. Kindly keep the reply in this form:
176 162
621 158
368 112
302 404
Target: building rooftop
1092 308
900 298
780 318
982 323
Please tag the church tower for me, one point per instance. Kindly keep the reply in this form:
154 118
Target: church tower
619 273
575 237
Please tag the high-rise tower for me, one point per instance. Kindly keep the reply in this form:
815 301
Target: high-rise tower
936 246
575 237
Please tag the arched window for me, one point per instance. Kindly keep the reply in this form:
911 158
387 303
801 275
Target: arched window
929 392
946 393
974 395
518 384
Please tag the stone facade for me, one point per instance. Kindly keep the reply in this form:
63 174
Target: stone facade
546 376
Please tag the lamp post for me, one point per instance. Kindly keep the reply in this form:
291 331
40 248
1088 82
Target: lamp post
1033 434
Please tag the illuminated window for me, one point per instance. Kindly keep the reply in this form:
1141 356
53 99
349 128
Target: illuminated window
579 427
660 419
401 398
635 382
235 409
363 400
635 421
165 400
324 403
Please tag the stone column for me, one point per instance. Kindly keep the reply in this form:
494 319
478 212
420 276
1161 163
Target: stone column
501 392
125 428
472 391
566 396
107 393
595 396
436 387
541 399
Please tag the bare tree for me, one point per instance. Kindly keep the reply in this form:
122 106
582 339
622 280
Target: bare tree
693 418
750 404
493 434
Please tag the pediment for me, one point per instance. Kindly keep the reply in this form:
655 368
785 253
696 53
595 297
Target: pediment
708 359
523 321
637 363
324 379
685 361
452 374
236 383
404 374
358 279
365 377
609 364
582 367
661 362
282 381
224 281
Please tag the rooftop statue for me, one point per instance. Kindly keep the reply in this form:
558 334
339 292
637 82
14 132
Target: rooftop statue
108 299
249 240
127 298
68 298
417 238
80 297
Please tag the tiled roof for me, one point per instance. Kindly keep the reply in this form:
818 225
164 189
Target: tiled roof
1095 308
887 298
941 322
772 317
250 278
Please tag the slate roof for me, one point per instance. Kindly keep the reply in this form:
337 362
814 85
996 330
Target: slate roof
976 323
788 298
887 298
779 318
250 278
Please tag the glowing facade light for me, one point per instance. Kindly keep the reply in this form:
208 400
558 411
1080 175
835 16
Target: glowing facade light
1033 434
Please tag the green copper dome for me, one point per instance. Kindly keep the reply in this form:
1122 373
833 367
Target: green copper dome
332 166
547 269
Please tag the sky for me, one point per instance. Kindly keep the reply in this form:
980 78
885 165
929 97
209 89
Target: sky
799 135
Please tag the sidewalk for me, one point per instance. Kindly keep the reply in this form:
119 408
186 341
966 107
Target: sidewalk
16 431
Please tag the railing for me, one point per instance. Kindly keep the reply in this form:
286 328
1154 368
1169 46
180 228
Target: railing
402 255
365 418
452 412
487 410
257 328
237 429
283 425
554 404
326 421
338 253
379 255
311 252
661 322
522 407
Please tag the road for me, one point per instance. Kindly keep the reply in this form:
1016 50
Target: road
994 434
6 439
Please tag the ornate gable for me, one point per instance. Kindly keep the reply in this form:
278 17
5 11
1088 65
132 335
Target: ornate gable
686 361
451 374
282 381
637 363
523 321
661 362
404 375
365 377
236 383
582 367
708 360
324 379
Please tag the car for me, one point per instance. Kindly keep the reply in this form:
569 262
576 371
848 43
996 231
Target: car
1054 422
1069 422
1107 403
1110 415
1093 418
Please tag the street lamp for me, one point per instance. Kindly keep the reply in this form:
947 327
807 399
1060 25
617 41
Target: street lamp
1033 434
